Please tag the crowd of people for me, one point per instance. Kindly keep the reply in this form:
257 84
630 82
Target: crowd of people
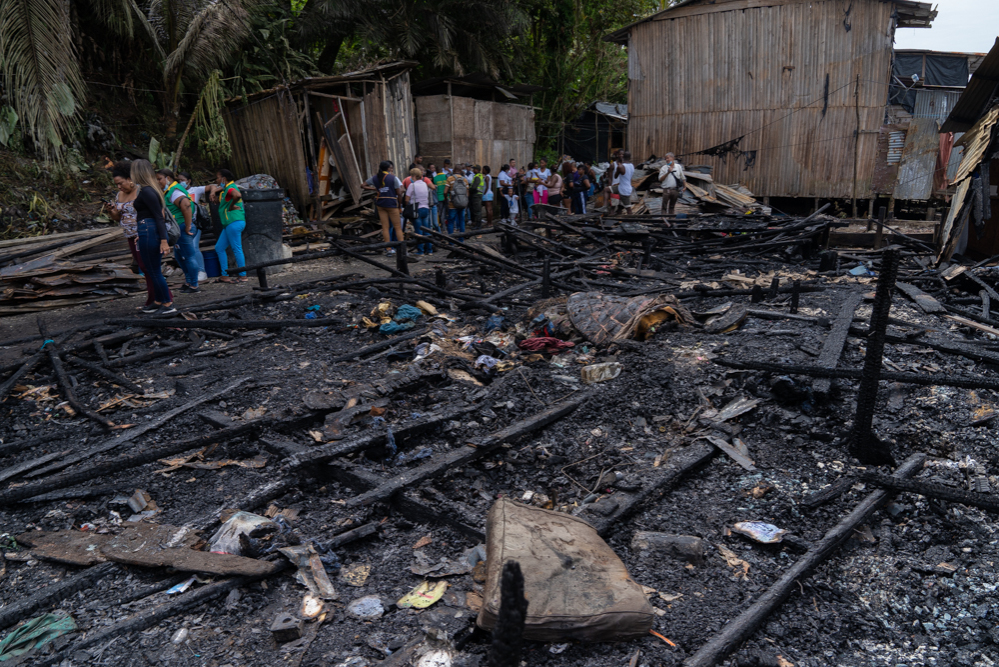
161 212
463 195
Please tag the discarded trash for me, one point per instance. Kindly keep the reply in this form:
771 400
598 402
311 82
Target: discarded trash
734 561
139 501
355 574
486 363
311 572
180 636
311 606
601 372
859 270
494 322
182 586
423 595
35 634
426 308
286 628
545 344
764 533
366 608
237 530
311 316
423 541
409 457
593 600
604 318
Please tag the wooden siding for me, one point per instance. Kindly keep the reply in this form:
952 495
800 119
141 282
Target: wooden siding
266 139
478 131
701 80
388 123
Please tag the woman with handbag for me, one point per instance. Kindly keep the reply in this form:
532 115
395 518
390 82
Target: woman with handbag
122 211
152 227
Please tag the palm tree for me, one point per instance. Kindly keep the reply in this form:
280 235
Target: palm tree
38 61
447 35
194 37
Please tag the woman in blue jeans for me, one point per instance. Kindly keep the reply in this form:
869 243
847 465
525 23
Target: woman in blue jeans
233 219
180 205
151 224
418 193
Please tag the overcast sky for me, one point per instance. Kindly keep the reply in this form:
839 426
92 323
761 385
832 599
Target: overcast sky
961 25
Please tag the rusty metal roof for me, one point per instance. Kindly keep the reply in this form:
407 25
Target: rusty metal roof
978 96
910 14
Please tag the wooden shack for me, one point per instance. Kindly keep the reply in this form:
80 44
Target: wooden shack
474 119
321 137
786 97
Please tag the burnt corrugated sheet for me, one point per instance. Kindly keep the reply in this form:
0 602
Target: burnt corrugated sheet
759 73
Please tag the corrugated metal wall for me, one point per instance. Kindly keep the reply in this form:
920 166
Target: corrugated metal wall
701 80
265 139
485 133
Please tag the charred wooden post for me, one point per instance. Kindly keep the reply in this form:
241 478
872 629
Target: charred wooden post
439 278
546 279
827 261
879 234
774 289
757 295
795 295
401 258
262 277
864 444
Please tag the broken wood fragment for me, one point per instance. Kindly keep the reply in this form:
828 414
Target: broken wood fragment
832 348
926 303
984 501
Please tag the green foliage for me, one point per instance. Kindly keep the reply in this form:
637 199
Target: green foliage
8 123
209 130
269 57
570 59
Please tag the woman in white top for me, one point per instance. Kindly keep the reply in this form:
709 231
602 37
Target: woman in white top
543 174
487 196
418 193
197 194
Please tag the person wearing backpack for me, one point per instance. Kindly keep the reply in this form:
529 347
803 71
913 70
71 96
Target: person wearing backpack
673 182
456 191
181 207
476 190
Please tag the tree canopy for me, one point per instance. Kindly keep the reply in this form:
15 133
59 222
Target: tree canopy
191 54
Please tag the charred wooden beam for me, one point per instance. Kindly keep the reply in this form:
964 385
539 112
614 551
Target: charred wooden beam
829 493
832 348
984 501
856 374
54 593
609 513
119 380
375 347
743 626
152 354
51 347
223 324
440 464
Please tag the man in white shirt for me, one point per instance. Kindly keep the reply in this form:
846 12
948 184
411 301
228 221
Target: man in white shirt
512 208
673 182
621 172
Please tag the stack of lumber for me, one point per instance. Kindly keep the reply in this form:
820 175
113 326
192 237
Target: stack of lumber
65 269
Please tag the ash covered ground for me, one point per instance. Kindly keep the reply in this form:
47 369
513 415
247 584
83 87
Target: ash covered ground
913 585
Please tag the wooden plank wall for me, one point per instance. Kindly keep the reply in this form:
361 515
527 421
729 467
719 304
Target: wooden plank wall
266 139
388 115
485 133
703 79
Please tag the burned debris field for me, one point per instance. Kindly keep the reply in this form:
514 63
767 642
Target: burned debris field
791 449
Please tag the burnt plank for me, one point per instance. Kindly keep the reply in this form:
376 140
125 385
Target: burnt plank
833 346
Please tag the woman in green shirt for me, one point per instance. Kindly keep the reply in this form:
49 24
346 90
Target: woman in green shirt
233 218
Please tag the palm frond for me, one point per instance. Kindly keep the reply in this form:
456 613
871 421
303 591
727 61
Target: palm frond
211 38
116 15
41 70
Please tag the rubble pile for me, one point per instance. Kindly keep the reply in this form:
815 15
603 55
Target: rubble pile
581 441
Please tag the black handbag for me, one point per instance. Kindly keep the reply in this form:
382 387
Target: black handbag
410 212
